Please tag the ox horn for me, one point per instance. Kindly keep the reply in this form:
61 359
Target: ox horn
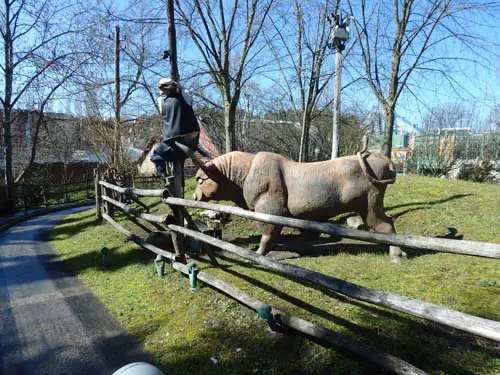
196 161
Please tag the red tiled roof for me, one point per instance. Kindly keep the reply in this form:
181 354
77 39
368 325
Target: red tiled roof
206 143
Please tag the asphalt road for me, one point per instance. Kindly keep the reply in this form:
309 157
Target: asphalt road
50 323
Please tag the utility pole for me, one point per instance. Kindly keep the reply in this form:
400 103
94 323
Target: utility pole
336 104
117 136
178 165
172 44
339 35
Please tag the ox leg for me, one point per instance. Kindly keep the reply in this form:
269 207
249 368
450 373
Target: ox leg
270 232
269 235
376 219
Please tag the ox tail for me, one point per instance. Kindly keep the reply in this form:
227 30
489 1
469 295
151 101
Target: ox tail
365 144
368 172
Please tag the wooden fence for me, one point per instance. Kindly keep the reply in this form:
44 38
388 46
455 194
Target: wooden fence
107 193
48 194
42 195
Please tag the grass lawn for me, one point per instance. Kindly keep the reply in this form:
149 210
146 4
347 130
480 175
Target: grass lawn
204 332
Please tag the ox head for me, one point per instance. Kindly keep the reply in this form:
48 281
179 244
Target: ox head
208 183
212 183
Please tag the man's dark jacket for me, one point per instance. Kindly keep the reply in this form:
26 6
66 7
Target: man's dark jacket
179 124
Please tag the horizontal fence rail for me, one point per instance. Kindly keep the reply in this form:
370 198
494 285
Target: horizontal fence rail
127 190
384 360
161 219
483 249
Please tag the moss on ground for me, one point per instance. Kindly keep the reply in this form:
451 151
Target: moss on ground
206 332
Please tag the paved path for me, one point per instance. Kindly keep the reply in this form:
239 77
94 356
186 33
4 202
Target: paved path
50 323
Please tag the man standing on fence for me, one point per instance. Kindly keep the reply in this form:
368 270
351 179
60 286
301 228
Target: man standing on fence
179 125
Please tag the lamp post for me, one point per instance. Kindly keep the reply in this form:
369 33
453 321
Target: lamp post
339 34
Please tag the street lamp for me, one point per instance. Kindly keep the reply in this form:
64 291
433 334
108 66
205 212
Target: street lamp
340 31
339 35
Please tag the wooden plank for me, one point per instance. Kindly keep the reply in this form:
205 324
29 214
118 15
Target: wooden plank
483 249
140 192
443 315
161 219
192 225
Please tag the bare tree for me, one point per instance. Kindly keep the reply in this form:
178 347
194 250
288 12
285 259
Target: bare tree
226 38
37 55
448 140
299 45
493 119
451 116
404 41
140 63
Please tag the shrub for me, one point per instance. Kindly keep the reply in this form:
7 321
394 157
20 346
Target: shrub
477 171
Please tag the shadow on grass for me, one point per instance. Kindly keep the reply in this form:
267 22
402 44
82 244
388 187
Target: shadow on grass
302 304
324 246
113 261
396 338
280 354
66 231
462 339
229 351
426 205
155 204
25 269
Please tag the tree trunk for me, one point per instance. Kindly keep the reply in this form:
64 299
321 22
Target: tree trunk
304 138
34 141
7 105
117 135
388 129
229 121
7 148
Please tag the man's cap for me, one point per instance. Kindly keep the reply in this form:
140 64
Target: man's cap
166 82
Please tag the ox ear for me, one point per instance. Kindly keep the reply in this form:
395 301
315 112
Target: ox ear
212 171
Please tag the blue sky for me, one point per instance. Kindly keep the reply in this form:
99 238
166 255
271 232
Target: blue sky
476 86
479 83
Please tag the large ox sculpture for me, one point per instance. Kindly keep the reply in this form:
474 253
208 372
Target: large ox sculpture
271 184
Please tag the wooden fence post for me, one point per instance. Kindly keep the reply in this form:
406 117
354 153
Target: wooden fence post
111 193
106 192
178 191
98 199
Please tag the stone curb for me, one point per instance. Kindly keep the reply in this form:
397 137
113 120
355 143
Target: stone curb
42 211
